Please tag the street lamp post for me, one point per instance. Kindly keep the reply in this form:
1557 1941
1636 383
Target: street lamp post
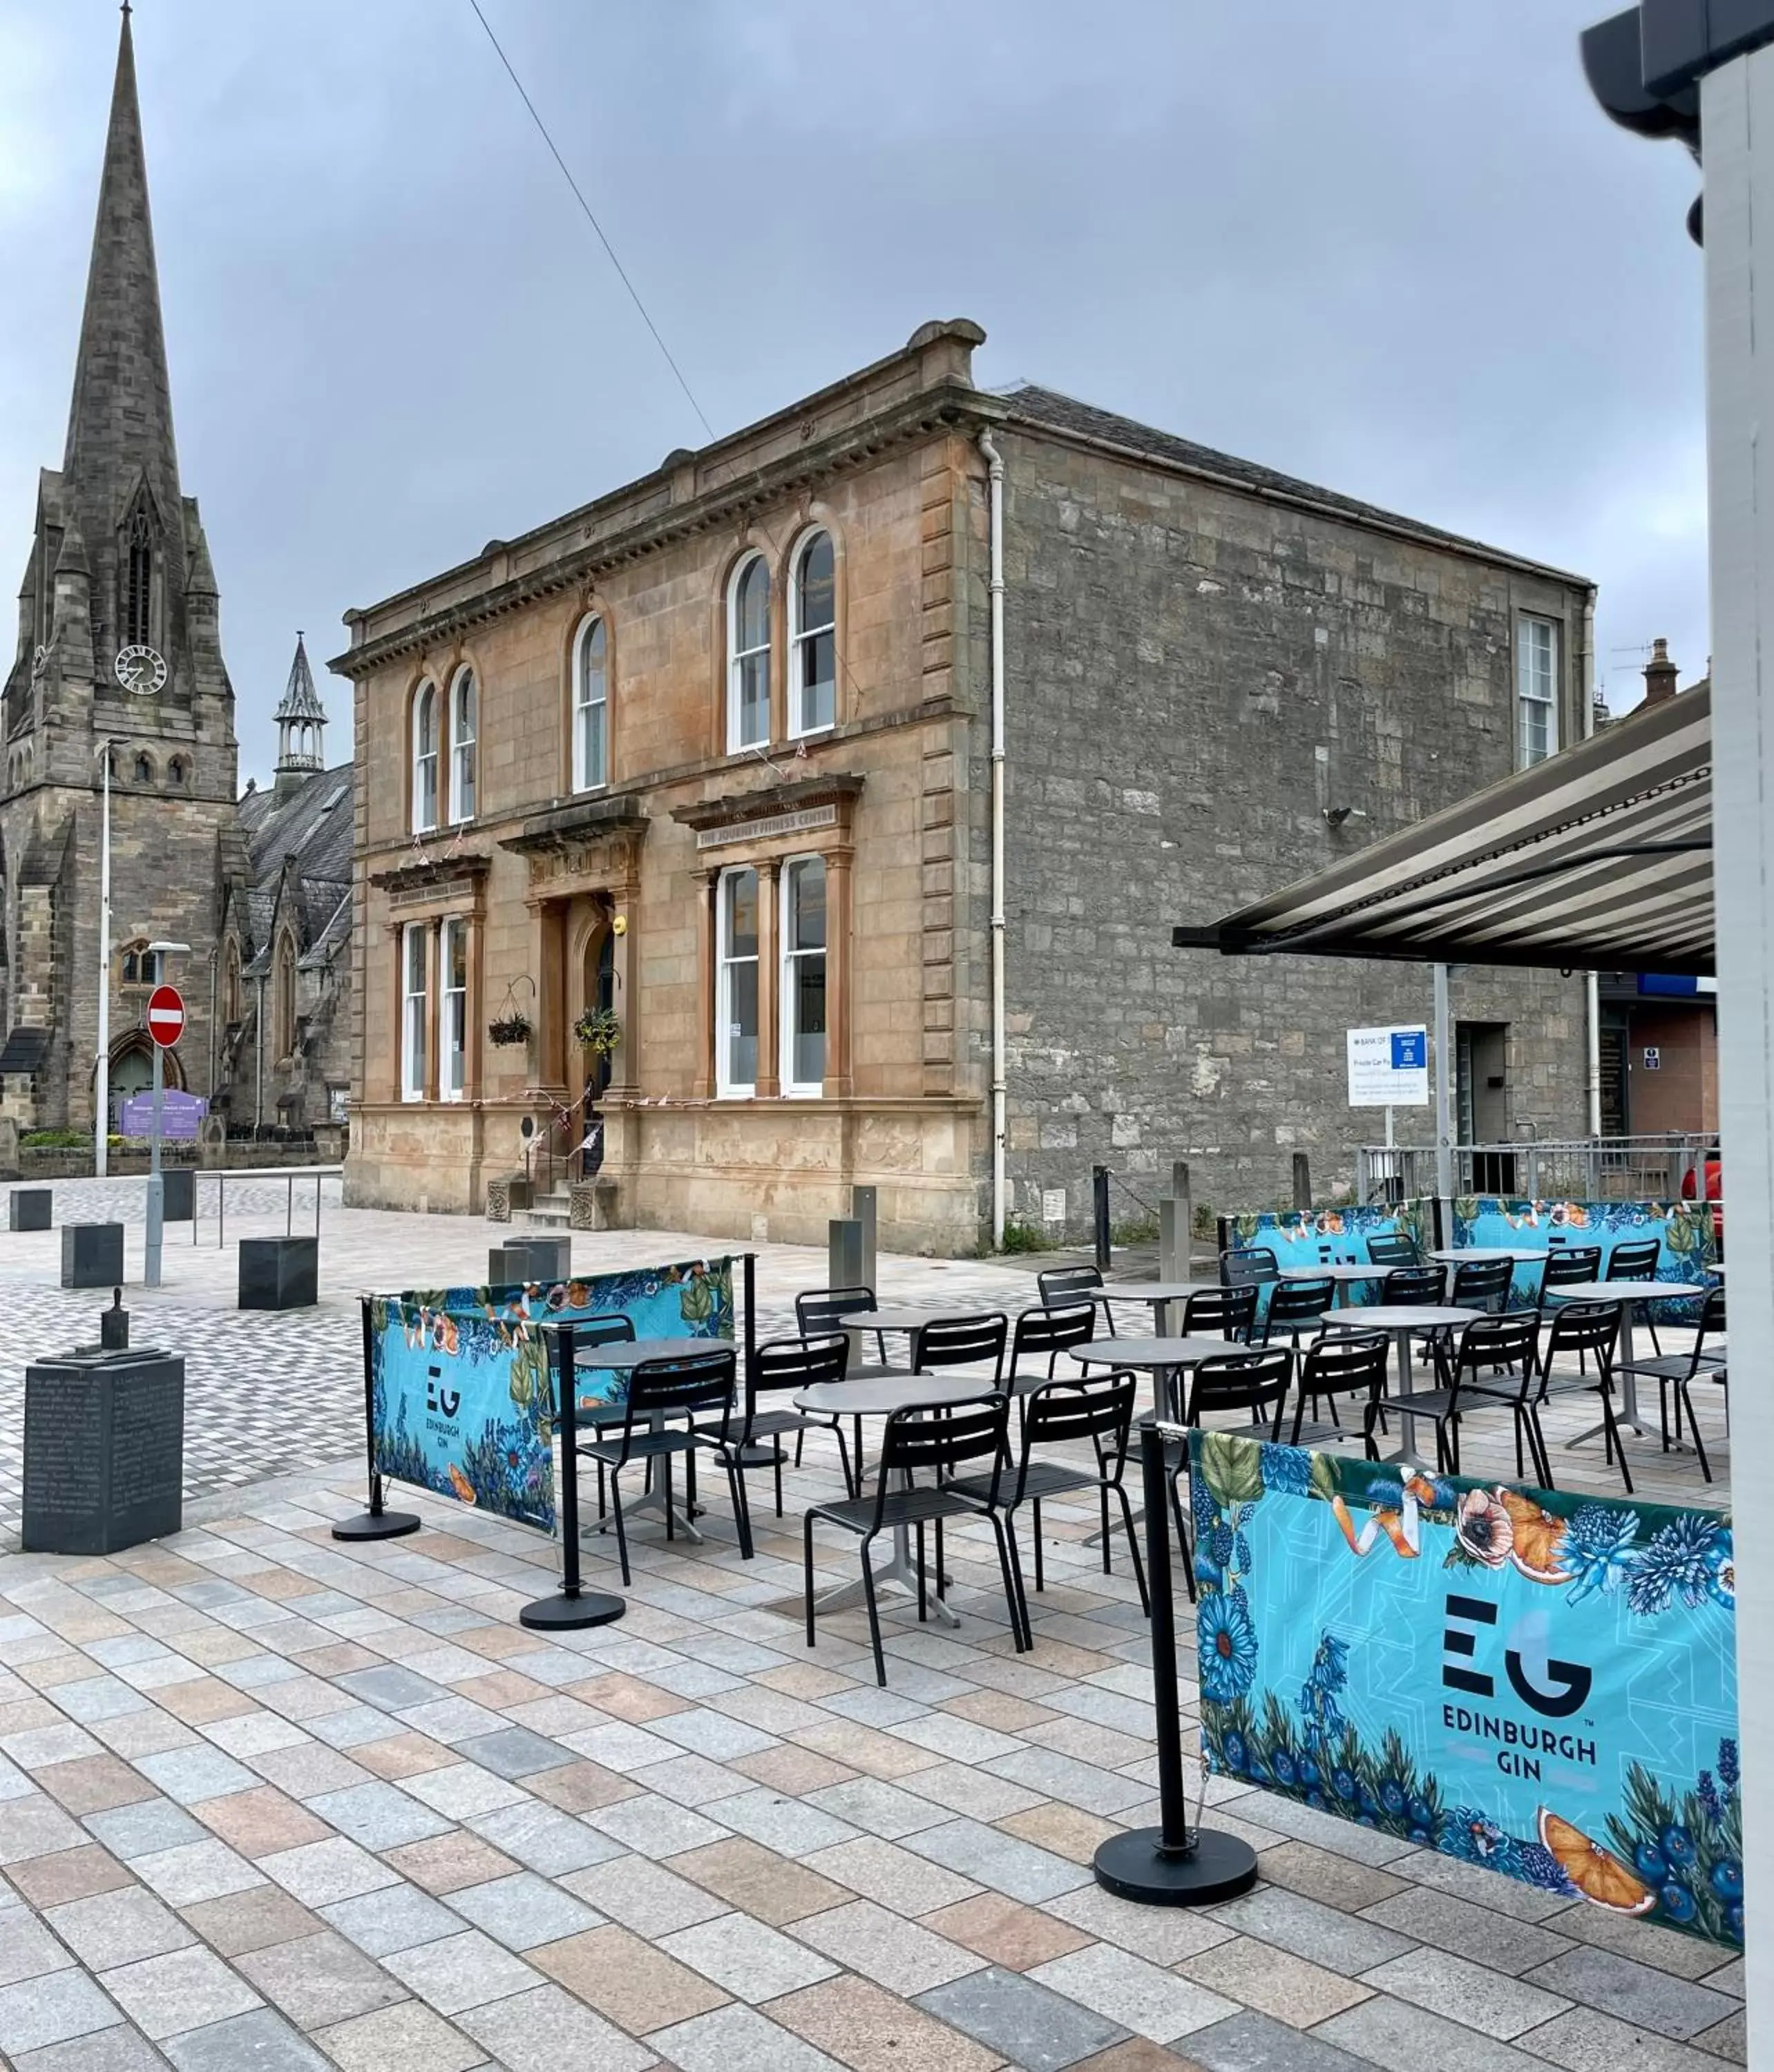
101 1119
157 1185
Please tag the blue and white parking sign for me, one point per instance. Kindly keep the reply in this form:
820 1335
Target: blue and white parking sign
1388 1067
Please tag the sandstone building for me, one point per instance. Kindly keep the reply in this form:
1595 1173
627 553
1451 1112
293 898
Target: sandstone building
716 753
119 656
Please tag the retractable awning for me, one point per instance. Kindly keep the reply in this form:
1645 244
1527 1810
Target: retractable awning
1600 858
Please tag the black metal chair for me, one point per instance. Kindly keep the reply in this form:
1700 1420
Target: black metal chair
1226 1313
1637 1260
658 1391
1392 1248
1241 1380
1296 1306
1341 1363
1414 1287
1061 1286
1680 1371
604 1328
777 1367
821 1311
962 1342
1067 1413
974 1431
1248 1265
1591 1330
1487 1345
1567 1266
1039 1338
1479 1284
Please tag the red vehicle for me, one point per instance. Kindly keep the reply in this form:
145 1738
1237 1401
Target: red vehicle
1715 1193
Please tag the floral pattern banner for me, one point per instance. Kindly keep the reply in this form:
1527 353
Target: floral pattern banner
1540 1682
1329 1237
461 1401
1683 1229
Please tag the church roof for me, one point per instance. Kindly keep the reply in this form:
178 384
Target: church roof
305 829
301 701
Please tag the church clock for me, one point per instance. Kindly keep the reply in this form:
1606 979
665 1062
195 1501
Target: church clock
141 669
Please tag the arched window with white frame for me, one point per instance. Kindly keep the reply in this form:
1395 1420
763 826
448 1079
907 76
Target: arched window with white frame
591 706
813 646
748 655
425 758
464 710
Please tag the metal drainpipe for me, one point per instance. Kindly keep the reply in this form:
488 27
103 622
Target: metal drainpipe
995 471
258 1091
1592 984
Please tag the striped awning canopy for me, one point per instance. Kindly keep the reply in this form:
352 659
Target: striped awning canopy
1598 859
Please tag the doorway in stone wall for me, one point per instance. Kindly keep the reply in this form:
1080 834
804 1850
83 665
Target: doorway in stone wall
599 992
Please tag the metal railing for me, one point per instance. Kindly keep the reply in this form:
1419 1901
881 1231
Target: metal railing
1597 1169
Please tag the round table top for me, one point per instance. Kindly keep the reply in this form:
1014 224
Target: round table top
1153 1291
881 1398
1628 1291
905 1320
1400 1316
1361 1270
619 1357
1155 1352
1459 1255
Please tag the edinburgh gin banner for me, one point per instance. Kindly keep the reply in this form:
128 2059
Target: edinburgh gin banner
1538 1681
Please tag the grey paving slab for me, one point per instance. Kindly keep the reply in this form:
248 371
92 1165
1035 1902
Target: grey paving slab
27 1949
993 1858
183 1989
118 1927
196 1871
523 1911
121 2049
546 2030
378 1816
1484 1999
900 1954
1400 2037
1139 1996
149 1825
190 1775
1341 1943
1635 1993
51 2010
319 1871
737 2039
262 2041
1250 2043
1035 2028
460 1790
651 1825
746 1958
392 1688
33 1826
647 1897
398 1918
791 1826
319 1980
514 1751
1451 1923
543 1839
461 1971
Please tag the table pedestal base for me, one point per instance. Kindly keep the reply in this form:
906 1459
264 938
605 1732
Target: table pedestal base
1137 1866
899 1571
561 1614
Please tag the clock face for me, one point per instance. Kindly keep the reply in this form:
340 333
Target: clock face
142 670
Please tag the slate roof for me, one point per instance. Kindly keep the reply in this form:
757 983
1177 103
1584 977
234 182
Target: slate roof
305 829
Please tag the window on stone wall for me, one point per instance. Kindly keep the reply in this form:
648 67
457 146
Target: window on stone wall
415 1010
425 758
1536 689
590 707
138 583
144 770
736 983
803 975
177 770
231 986
813 655
453 1027
463 720
283 1000
141 965
748 655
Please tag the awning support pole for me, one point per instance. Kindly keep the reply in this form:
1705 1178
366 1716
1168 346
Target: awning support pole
1444 1102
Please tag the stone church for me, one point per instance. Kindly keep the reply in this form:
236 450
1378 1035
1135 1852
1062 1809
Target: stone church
119 668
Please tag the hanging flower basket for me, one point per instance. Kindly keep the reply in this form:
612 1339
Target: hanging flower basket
598 1030
507 1030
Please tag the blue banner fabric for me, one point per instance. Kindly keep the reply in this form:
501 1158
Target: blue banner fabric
1683 1230
461 1402
1538 1681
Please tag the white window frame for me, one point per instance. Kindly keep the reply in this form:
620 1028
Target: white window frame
799 636
425 760
726 964
452 1013
583 706
737 657
802 1089
415 1010
464 744
1542 699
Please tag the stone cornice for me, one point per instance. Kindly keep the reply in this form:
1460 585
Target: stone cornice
428 872
770 799
574 826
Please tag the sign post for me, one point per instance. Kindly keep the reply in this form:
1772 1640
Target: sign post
165 1025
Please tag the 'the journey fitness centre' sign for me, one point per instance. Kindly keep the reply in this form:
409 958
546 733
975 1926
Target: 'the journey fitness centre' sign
1388 1067
1538 1681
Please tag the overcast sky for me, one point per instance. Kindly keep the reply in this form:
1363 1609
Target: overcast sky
1392 249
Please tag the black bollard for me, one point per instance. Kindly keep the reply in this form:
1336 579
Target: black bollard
573 1607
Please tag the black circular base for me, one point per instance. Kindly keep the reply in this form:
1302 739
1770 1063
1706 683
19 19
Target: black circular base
1131 1866
566 1614
377 1525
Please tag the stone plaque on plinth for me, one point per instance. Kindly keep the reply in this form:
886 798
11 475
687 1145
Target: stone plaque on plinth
91 1255
28 1208
279 1272
105 1443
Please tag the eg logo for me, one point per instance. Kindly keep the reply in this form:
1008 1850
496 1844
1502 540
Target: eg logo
1554 1689
444 1402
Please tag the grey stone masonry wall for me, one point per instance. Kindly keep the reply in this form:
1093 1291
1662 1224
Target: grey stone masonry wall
1196 673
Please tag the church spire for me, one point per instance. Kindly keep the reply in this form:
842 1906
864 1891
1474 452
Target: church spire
120 453
302 722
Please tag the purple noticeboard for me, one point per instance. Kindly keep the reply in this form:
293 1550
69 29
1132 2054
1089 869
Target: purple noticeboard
180 1113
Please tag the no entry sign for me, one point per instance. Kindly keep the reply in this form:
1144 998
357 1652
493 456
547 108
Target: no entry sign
166 1015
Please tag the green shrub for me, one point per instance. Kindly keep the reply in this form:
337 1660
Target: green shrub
56 1140
1020 1236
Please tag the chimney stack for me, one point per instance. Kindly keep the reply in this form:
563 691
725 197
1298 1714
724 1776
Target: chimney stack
1660 675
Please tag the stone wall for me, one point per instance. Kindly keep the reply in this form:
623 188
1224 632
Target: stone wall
1195 675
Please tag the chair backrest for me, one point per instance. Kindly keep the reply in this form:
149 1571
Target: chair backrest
604 1327
1635 1261
1294 1302
975 1430
1583 1327
1413 1285
784 1364
668 1388
1511 1340
1241 1381
1101 1409
822 1310
1566 1263
1479 1282
1712 1317
961 1342
1391 1248
1247 1264
1230 1311
1344 1361
1040 1333
1059 1285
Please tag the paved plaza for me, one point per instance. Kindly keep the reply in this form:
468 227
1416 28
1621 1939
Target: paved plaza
268 1801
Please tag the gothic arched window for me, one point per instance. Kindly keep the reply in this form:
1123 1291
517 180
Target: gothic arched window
138 584
284 1000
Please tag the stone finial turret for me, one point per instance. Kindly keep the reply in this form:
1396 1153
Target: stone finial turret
302 722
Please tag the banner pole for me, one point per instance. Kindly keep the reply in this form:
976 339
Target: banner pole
1172 1865
750 1263
574 1607
375 1523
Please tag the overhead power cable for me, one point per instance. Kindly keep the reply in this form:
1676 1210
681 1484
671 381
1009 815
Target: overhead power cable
579 197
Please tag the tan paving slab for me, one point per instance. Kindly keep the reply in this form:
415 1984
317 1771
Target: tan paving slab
627 1979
